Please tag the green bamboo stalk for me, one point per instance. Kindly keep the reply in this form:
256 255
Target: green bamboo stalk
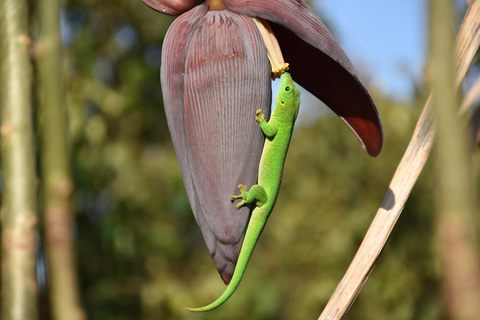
19 207
455 195
407 173
57 183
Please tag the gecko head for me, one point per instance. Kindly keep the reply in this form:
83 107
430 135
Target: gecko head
288 96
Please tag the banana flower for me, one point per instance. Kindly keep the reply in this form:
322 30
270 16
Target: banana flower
217 62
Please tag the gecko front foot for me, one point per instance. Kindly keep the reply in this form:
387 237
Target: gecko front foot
260 117
243 195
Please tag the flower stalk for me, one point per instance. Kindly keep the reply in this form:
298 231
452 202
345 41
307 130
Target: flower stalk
216 5
274 52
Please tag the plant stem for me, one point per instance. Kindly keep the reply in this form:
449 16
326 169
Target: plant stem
408 171
454 198
19 192
56 174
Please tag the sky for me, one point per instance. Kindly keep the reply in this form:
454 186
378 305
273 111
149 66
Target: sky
386 40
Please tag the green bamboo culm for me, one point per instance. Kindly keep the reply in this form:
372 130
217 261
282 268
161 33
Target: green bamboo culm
19 182
455 188
56 180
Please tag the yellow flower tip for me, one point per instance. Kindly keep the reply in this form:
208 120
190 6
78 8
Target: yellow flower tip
279 70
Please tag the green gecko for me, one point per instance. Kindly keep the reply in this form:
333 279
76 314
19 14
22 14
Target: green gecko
278 132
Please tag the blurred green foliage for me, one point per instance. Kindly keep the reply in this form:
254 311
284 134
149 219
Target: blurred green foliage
140 253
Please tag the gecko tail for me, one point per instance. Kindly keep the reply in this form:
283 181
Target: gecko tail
244 256
254 229
221 300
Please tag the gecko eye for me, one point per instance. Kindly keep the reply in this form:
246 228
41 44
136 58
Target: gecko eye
287 88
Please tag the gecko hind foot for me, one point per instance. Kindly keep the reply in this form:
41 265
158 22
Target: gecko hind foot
243 195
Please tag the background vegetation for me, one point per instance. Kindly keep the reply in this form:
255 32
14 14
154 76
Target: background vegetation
139 252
